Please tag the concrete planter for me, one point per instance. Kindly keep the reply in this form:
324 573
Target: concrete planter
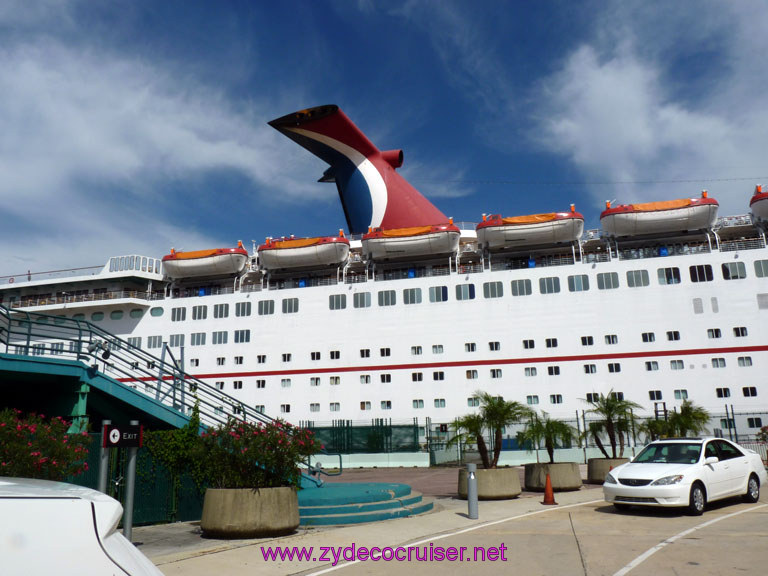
249 513
597 468
494 484
563 475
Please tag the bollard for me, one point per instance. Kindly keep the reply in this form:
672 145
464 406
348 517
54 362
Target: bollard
472 492
130 486
104 460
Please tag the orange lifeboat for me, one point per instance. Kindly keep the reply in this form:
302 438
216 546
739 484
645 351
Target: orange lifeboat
306 253
498 233
213 262
665 217
413 242
759 203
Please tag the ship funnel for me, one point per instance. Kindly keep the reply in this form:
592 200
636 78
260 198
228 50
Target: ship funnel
372 194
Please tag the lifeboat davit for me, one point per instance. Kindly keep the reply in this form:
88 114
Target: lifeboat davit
294 253
759 203
682 215
214 262
498 233
413 242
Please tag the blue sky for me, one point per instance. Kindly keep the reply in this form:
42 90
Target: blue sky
134 126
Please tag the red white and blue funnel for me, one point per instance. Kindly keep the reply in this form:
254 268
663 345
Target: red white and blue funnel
372 194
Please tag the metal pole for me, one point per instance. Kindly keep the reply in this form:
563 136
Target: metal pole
130 485
103 460
472 511
735 430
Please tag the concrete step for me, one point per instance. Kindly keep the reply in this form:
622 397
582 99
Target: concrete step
371 516
355 507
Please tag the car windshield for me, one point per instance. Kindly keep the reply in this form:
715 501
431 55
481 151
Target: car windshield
670 453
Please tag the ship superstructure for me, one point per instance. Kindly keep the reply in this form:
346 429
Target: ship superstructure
408 317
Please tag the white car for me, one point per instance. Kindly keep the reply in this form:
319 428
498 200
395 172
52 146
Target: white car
57 528
686 472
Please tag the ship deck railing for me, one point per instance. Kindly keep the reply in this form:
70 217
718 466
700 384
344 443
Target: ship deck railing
52 274
30 301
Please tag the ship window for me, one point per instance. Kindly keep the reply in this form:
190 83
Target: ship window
723 392
290 305
553 370
334 380
493 289
578 283
551 342
365 353
713 333
611 339
122 263
314 355
617 395
530 370
385 352
286 357
385 378
555 398
334 406
590 369
614 367
116 314
365 378
335 354
238 360
314 407
261 383
314 381
112 264
521 287
749 391
676 364
651 366
669 276
761 268
417 376
531 400
416 350
387 298
473 401
718 362
438 293
97 316
144 264
470 347
220 337
587 341
673 335
178 314
63 319
285 383
529 344
734 271
242 336
285 408
494 346
134 342
259 408
471 374
221 311
593 397
136 313
242 309
219 385
465 292
237 385
701 273
681 394
412 296
745 361
361 299
439 375
418 404
197 338
607 281
154 341
177 340
220 361
199 312
365 405
266 307
437 348
637 278
654 394
337 301
755 422
386 404
649 337
261 358
439 402
549 285
762 301
495 372
156 311
739 331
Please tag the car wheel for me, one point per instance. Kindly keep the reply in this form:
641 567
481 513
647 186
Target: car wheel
753 489
621 507
697 500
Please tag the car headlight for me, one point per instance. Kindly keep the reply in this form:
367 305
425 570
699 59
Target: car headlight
610 479
667 480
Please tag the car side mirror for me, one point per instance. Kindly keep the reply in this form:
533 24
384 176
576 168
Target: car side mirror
712 460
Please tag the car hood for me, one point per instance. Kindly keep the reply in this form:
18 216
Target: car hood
649 471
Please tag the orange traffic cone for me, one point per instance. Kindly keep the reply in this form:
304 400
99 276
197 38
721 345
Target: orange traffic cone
549 494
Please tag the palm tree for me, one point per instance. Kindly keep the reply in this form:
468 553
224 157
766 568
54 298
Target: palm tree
653 429
691 419
469 430
496 414
549 431
615 420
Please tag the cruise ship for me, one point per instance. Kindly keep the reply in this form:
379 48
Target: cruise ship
406 314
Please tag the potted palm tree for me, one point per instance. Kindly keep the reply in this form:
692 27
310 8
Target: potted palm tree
550 432
614 420
493 483
691 419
